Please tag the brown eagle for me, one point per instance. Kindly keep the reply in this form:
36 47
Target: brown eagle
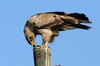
49 24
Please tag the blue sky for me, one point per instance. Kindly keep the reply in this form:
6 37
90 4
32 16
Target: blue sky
72 48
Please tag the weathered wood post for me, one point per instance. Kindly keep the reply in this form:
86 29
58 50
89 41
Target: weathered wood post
42 57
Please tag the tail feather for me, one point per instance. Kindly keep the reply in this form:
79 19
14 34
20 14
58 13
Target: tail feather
79 16
83 21
81 26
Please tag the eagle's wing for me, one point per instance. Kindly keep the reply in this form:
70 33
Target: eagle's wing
45 20
58 21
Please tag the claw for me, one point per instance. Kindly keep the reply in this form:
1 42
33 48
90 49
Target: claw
43 46
37 47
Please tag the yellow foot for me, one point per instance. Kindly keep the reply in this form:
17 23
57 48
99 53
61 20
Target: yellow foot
37 47
43 46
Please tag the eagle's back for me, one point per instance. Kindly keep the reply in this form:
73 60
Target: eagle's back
44 19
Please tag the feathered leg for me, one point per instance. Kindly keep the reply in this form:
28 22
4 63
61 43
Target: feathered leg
46 39
46 36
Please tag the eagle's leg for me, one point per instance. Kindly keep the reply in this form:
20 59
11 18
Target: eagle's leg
46 36
46 39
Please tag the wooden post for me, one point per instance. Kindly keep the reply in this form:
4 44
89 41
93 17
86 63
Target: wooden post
42 57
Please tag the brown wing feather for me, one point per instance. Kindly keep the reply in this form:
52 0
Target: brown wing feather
45 20
59 20
82 18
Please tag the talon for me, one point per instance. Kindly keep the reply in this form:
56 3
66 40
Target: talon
37 47
43 46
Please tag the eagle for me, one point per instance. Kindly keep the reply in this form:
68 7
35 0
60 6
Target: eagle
49 24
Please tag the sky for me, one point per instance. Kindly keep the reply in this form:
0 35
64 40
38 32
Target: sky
72 48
